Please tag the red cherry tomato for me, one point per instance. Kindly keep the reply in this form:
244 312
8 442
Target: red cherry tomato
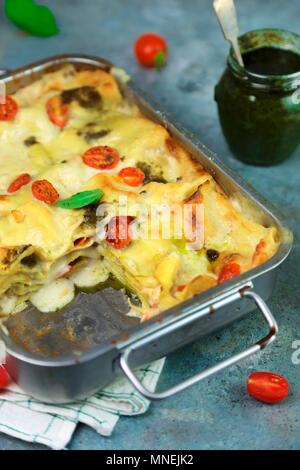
81 241
101 157
9 109
118 233
267 387
181 287
57 111
229 271
151 50
20 181
4 377
67 271
132 176
44 191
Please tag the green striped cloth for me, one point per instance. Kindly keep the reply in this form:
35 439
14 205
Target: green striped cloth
53 425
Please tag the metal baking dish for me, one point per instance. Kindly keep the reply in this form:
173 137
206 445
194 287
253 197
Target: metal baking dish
55 368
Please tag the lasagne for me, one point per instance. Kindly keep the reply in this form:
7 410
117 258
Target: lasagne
72 145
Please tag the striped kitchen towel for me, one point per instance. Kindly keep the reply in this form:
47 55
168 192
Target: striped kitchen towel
53 425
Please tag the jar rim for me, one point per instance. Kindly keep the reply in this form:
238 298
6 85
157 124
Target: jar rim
270 37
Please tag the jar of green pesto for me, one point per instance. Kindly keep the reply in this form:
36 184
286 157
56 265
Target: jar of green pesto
259 105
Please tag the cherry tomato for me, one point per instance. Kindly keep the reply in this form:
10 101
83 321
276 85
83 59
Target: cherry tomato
132 176
229 271
4 377
57 111
118 233
44 191
267 387
67 271
181 287
9 109
20 181
81 241
101 157
151 50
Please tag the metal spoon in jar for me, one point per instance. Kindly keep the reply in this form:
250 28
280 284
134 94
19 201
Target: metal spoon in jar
227 17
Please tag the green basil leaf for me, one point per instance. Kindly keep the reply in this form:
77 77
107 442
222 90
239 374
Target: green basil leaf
82 199
31 17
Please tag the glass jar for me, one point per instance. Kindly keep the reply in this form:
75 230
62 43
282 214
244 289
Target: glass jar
260 114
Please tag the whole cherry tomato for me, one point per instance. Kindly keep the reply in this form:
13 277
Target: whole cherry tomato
4 377
57 111
9 109
20 181
101 157
229 271
132 176
267 387
44 191
118 233
151 50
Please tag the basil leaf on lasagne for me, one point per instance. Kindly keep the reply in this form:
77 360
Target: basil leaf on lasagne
82 199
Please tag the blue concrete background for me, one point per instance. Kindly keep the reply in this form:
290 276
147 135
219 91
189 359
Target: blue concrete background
217 414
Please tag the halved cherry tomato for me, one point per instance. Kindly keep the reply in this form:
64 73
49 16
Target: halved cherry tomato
229 271
4 377
132 176
267 387
118 233
101 157
9 109
44 191
57 111
181 287
151 50
20 181
81 241
67 271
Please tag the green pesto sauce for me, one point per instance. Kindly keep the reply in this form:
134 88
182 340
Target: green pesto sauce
261 124
114 284
271 61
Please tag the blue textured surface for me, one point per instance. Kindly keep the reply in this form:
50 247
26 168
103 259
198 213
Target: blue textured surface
217 414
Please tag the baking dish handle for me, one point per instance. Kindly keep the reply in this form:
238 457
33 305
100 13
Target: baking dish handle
242 293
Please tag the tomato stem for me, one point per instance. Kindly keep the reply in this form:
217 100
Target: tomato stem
160 60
